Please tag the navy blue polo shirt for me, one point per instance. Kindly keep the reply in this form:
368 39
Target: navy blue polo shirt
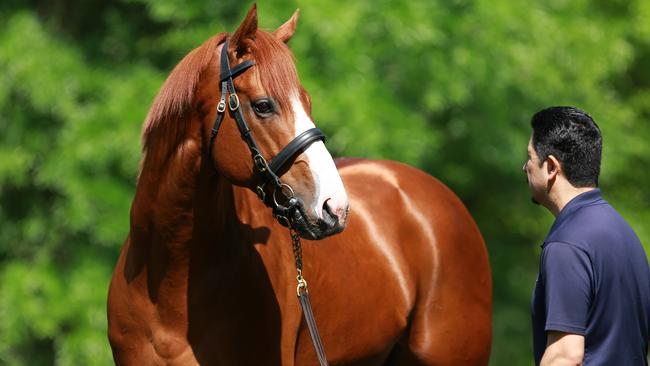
594 281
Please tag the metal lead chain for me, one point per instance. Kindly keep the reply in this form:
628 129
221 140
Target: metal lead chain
297 249
297 254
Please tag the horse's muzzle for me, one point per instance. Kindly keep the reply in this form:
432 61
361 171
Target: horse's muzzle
317 228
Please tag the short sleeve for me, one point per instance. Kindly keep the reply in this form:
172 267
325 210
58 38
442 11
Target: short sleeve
567 274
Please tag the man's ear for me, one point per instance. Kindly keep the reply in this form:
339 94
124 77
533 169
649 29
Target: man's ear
286 30
244 35
553 166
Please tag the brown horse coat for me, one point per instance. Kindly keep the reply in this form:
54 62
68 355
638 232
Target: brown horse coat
206 275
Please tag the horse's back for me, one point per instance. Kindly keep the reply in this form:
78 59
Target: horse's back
435 254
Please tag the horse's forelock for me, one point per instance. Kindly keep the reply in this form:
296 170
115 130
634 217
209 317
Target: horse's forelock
276 68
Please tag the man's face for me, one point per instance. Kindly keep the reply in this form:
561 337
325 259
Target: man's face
536 174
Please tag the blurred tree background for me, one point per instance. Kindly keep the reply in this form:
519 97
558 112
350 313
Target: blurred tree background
448 86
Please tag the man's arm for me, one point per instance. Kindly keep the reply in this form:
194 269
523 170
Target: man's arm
563 349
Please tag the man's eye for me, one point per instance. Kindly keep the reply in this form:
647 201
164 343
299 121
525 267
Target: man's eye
263 107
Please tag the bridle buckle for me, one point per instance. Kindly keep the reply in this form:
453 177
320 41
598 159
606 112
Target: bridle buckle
260 163
221 107
233 102
260 193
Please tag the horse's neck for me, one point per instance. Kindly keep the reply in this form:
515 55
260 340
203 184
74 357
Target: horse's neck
179 201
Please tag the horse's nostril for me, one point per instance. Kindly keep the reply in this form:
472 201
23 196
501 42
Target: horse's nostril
328 214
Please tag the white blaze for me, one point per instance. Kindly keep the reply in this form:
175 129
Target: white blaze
329 187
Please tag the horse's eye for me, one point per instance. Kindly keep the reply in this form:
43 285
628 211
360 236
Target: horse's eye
263 107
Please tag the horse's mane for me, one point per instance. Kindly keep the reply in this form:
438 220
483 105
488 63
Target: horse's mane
176 94
165 127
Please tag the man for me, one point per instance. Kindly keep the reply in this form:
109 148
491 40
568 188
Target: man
591 303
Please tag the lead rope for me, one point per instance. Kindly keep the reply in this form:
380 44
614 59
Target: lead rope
303 296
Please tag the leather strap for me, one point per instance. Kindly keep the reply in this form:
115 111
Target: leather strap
235 71
297 145
226 76
313 329
235 109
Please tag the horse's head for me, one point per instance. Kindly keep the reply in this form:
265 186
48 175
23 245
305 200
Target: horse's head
277 109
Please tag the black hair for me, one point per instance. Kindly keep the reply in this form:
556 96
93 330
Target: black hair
573 137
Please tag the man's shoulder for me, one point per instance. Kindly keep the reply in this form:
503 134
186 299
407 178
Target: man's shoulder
591 223
565 254
602 233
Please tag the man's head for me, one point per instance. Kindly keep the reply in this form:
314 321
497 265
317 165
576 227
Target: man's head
565 142
572 136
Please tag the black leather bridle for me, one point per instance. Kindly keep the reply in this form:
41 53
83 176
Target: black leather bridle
268 172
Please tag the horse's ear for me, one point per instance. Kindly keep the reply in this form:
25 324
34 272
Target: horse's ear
286 30
243 36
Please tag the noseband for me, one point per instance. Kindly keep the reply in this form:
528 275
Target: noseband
268 172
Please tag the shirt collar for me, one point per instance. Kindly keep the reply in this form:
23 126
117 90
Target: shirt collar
583 199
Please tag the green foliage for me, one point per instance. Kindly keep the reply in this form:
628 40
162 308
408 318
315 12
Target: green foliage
448 86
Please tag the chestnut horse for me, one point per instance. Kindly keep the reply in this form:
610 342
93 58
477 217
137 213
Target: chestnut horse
206 274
